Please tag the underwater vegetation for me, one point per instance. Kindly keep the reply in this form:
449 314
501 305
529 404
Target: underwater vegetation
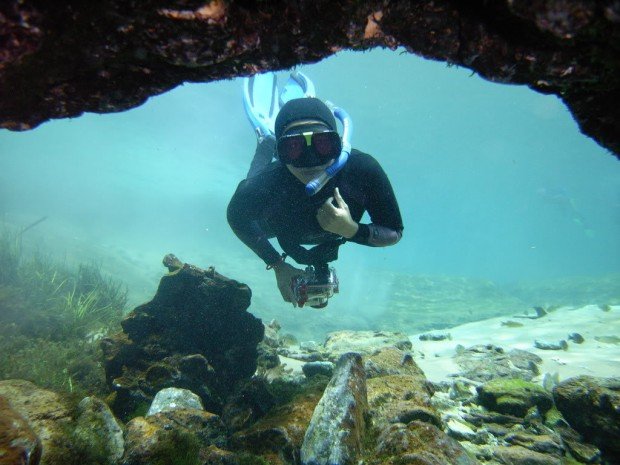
51 318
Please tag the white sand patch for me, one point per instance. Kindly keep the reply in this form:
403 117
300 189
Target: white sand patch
589 358
291 363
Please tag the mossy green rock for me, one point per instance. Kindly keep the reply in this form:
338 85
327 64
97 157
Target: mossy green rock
160 446
98 432
554 418
513 396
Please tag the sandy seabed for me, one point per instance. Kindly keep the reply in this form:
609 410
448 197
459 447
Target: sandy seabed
591 357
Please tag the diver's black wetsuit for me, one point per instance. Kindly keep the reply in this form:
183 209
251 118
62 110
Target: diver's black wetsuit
274 204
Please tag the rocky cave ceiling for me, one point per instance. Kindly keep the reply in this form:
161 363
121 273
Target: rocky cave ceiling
60 58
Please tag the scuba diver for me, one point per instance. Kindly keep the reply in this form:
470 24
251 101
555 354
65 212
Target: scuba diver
314 192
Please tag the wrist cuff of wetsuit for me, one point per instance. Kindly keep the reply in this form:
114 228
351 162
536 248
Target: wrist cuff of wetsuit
362 234
277 262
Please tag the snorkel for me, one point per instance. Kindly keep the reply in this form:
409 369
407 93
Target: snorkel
347 124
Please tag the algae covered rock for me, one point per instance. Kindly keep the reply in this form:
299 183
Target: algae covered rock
581 450
419 443
544 443
172 437
391 361
401 399
592 407
98 431
514 396
517 455
195 334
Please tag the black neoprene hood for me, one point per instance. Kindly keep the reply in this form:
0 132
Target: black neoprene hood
303 108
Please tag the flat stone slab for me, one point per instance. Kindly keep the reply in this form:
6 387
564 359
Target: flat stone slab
363 342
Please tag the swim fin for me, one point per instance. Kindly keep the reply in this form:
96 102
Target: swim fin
298 85
260 101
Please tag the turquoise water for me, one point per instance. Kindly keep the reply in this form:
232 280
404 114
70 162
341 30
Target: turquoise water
494 182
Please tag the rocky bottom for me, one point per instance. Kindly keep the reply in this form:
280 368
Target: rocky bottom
371 404
194 379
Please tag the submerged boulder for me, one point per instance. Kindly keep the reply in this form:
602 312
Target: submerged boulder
580 449
47 414
195 334
251 401
18 442
592 407
174 399
549 444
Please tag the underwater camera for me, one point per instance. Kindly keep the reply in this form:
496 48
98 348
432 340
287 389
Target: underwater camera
315 286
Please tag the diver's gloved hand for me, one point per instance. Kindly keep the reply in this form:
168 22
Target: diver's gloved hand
284 276
337 219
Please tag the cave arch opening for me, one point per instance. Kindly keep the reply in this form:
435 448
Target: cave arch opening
495 182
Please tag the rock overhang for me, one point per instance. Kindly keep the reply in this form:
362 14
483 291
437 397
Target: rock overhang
61 59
